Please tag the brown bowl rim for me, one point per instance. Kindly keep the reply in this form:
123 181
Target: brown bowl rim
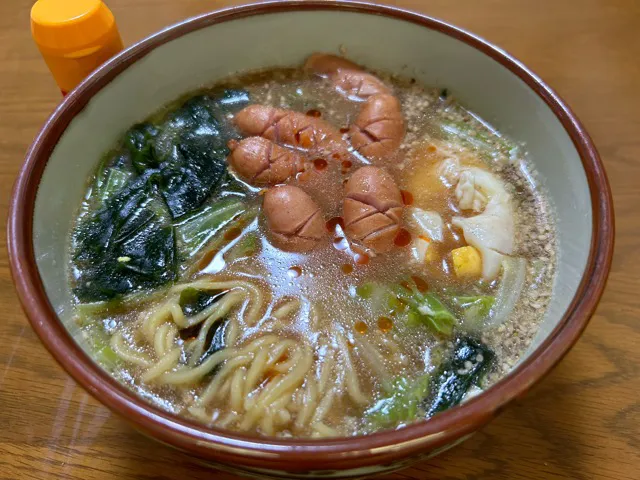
301 455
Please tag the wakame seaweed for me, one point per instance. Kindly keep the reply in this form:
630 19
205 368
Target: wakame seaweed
125 245
469 361
126 240
139 142
188 149
193 301
215 342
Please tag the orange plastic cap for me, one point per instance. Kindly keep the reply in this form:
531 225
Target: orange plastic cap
70 26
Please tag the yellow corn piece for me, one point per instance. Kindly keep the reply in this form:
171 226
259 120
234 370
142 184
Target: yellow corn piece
467 262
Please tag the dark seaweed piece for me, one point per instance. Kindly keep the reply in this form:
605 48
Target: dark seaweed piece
192 150
138 141
444 93
469 361
188 182
188 149
193 301
215 341
126 245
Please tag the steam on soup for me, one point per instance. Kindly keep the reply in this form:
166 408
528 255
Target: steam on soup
312 252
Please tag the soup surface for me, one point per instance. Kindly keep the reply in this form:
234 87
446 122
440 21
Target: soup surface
312 252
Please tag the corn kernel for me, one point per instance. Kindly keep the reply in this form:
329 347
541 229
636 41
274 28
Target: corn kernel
467 262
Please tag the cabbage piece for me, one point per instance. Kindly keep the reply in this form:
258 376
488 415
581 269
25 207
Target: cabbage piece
421 308
401 403
475 309
197 229
514 271
426 309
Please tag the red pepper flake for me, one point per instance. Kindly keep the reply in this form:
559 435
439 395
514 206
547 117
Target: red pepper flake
346 164
320 163
336 156
421 284
403 238
361 258
347 268
314 113
385 324
407 197
361 327
344 130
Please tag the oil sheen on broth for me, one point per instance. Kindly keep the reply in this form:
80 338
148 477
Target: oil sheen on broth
312 252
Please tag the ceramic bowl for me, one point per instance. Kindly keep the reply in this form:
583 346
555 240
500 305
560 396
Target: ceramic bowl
201 50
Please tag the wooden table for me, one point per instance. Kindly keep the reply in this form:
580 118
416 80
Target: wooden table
582 422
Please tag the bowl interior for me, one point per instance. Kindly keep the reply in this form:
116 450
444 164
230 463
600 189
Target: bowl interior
218 50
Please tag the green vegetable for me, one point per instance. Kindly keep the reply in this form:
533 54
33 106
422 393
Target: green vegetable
126 245
99 345
88 312
474 308
106 356
115 181
247 246
199 228
366 289
469 361
422 308
402 403
193 301
425 308
112 175
478 135
139 142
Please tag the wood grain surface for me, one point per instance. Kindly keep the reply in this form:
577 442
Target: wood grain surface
582 422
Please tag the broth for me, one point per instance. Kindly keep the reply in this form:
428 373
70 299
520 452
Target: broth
236 332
